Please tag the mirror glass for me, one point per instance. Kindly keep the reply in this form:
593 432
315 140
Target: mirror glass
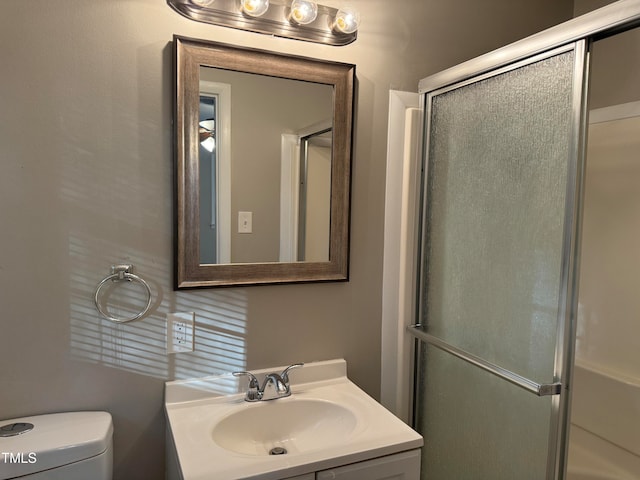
242 192
263 146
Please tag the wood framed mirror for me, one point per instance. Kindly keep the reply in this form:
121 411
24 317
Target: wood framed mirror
262 166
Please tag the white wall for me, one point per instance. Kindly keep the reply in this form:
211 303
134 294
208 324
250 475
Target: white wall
608 327
86 181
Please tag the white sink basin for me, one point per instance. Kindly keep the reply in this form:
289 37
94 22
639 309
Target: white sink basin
295 425
326 422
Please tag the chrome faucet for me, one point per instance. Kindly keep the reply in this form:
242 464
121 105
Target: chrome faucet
275 385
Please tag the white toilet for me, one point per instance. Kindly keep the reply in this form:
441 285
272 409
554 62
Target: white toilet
59 446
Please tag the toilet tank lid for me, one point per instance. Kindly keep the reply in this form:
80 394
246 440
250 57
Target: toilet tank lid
56 439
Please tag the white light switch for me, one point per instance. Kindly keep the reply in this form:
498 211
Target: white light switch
245 220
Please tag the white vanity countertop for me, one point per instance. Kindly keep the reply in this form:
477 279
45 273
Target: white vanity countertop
195 407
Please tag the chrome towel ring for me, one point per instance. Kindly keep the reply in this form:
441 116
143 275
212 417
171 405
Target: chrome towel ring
118 274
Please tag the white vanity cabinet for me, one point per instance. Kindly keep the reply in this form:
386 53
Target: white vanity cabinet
401 466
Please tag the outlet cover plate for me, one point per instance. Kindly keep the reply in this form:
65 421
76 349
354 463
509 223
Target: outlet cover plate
180 332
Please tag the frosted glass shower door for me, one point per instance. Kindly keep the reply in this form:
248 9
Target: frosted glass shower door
496 287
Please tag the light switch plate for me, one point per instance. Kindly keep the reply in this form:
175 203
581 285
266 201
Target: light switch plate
180 332
245 222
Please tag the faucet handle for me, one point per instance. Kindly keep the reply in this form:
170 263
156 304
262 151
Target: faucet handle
285 373
253 381
253 394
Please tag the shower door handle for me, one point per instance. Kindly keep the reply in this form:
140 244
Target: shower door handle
540 389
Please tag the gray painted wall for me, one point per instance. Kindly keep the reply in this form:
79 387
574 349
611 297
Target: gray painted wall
86 181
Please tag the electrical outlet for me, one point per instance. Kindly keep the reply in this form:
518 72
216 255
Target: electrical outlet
180 332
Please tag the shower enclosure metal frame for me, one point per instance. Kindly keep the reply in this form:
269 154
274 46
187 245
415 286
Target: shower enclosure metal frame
576 34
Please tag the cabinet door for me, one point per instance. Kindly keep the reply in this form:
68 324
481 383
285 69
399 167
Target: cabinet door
401 466
308 476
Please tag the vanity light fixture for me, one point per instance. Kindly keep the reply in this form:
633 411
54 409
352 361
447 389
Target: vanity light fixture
296 19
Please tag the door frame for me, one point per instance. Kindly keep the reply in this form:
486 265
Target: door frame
400 246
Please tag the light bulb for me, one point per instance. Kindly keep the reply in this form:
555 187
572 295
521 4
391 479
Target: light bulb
255 8
303 11
347 20
203 3
206 133
209 144
209 124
